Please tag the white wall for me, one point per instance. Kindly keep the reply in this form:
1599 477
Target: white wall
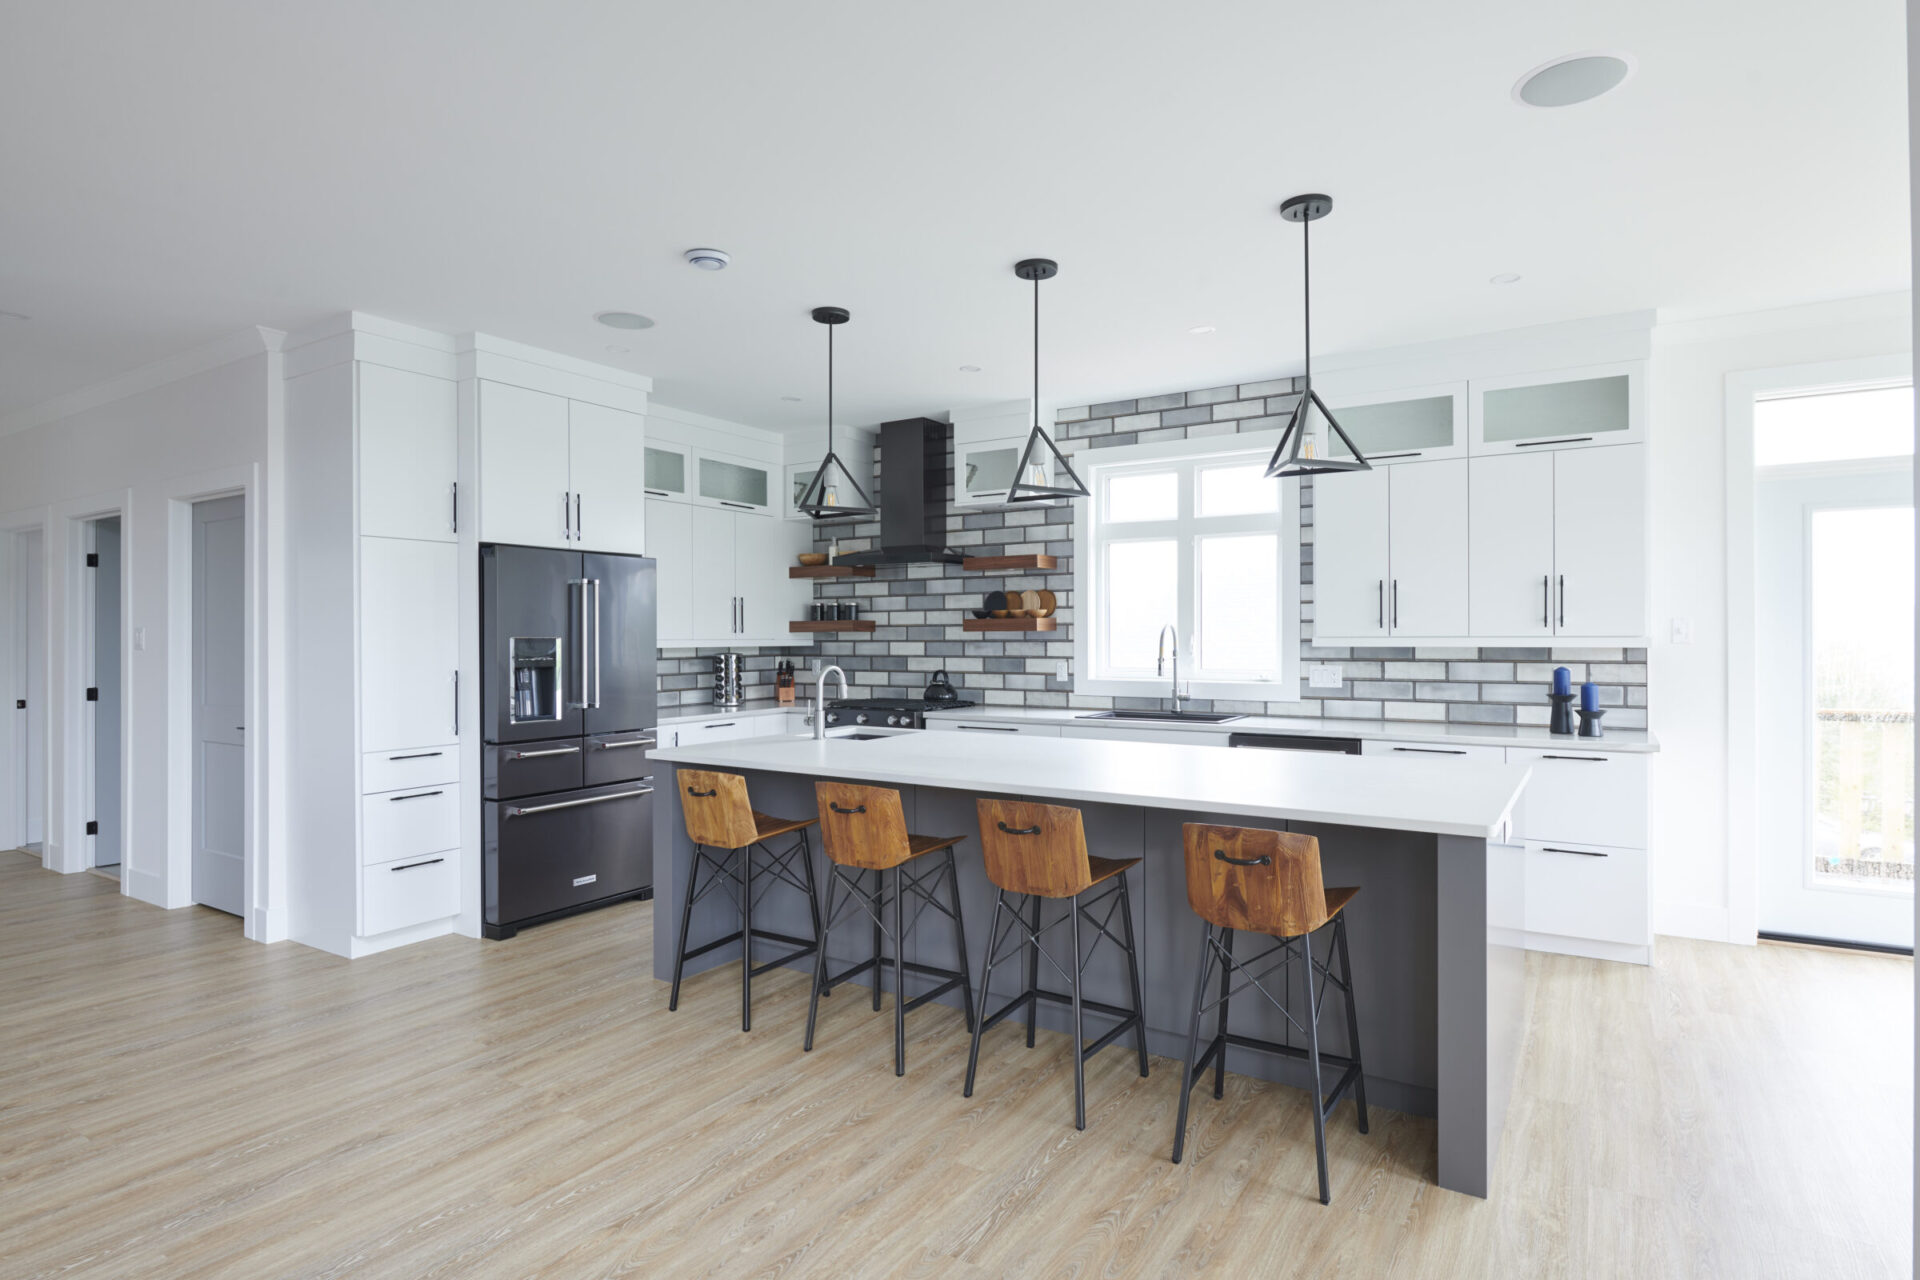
142 446
1687 684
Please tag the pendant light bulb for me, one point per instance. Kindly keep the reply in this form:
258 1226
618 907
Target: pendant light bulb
1303 449
821 498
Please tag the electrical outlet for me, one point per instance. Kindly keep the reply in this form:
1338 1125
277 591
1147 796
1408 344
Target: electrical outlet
1324 676
139 639
1064 671
1683 630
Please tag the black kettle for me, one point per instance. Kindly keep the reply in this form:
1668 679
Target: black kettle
940 689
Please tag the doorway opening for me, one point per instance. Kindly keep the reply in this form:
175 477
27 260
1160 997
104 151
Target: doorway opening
27 686
105 696
219 703
1834 526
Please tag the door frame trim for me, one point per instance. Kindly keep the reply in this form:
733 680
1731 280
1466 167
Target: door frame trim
13 816
1743 798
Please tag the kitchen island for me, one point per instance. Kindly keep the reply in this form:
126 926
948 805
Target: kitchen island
1435 933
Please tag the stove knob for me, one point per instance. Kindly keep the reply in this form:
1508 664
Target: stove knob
893 720
861 718
833 717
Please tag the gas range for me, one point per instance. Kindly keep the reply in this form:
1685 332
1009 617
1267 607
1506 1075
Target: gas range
886 713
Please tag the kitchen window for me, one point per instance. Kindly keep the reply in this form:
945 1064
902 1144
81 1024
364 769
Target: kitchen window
1193 534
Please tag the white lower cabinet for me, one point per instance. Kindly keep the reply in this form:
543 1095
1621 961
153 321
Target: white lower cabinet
1583 822
408 891
950 725
1583 797
1137 733
410 767
1585 891
409 824
1436 751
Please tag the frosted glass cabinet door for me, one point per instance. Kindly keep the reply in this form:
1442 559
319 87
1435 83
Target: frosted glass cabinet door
525 493
1427 588
1404 426
1574 409
408 453
1600 542
1350 554
607 461
409 642
1512 545
736 484
666 471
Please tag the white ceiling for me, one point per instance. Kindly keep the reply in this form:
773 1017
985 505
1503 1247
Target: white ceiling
174 172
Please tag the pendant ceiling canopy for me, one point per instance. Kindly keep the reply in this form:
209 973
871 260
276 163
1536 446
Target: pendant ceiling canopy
1034 480
833 493
1305 447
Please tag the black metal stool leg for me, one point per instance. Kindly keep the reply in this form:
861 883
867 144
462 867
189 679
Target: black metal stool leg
879 905
1133 972
746 938
1313 1064
1353 1020
899 978
960 942
1188 1073
986 988
820 967
686 918
1226 981
813 890
1079 1043
1033 968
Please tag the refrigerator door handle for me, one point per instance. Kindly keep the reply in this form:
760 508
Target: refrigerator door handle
596 644
579 626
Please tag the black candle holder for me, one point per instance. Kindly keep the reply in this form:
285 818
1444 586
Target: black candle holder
1590 723
1562 721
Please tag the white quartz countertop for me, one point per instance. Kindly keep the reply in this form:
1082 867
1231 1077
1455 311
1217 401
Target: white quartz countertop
711 714
1638 741
1468 799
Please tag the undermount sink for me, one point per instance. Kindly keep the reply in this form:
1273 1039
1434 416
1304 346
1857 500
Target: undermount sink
1175 717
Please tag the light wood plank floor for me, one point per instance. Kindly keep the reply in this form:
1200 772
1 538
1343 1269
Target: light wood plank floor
175 1101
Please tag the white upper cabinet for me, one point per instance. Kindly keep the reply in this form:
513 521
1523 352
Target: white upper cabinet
409 453
722 578
1511 555
668 471
1350 554
526 493
1571 409
1600 543
715 597
670 537
606 451
409 643
1413 424
737 484
1427 556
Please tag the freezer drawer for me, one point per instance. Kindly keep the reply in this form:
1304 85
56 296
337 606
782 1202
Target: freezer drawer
555 852
511 770
618 757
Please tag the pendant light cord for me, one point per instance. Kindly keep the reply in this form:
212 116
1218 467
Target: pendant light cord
1306 294
830 389
1036 352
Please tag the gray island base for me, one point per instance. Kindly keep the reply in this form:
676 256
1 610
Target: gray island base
1435 932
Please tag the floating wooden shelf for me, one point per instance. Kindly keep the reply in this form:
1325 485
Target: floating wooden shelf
1007 624
863 624
1003 564
830 571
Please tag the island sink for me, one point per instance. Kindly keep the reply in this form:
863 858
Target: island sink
1170 717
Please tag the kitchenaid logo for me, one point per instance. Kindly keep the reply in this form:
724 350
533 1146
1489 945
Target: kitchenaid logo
580 880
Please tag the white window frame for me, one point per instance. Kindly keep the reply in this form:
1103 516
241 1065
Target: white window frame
1092 534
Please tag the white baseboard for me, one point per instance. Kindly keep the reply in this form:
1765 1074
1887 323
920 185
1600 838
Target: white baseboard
1693 920
264 925
1624 953
358 946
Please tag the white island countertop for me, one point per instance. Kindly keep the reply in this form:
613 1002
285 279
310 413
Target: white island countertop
1469 799
1625 741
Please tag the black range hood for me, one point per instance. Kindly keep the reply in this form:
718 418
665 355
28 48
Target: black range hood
913 496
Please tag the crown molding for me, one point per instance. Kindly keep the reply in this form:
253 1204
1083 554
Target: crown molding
251 341
1873 308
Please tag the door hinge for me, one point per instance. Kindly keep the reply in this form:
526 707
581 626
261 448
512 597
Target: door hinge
93 559
93 828
93 695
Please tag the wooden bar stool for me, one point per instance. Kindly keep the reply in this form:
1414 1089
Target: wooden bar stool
1257 881
726 830
865 829
1039 852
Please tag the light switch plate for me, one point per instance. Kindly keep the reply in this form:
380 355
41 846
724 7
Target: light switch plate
139 639
1683 630
1324 676
1064 671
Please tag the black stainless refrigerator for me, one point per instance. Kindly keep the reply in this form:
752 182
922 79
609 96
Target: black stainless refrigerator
567 641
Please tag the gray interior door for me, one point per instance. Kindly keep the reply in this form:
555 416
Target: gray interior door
621 629
219 703
107 710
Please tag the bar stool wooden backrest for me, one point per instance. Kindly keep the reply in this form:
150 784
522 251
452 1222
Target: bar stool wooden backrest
1034 848
862 826
1248 878
717 811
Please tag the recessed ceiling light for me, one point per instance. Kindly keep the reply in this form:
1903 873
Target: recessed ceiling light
618 351
969 368
791 399
1199 329
708 259
1505 277
624 320
1579 77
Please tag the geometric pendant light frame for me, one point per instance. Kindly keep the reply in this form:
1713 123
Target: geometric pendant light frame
1066 481
1300 452
821 499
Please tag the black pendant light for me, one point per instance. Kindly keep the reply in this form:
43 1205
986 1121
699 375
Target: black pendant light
822 498
1030 480
1303 449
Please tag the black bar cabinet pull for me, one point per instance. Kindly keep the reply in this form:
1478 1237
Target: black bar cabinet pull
418 795
1262 861
1535 444
1585 853
702 794
411 865
1581 759
1018 831
417 755
1434 751
837 809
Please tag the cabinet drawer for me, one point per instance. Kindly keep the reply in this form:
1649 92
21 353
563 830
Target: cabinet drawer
984 727
1582 797
1432 751
408 891
409 824
399 770
1586 891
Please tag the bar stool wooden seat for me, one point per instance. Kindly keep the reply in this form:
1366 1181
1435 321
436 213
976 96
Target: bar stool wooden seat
726 830
864 830
1039 852
1245 879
